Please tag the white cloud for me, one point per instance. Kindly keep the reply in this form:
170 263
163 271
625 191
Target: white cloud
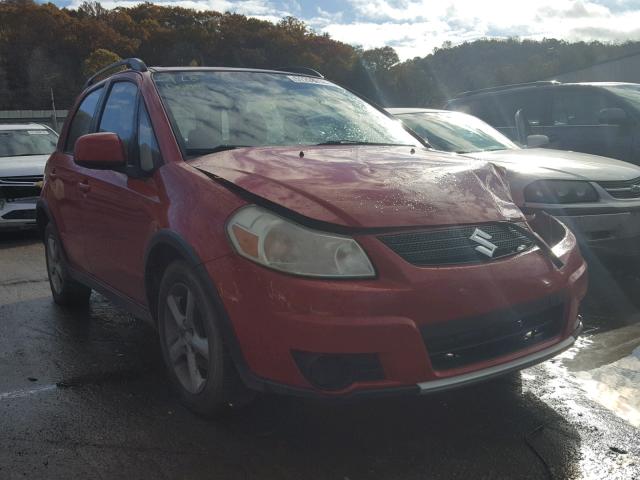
415 27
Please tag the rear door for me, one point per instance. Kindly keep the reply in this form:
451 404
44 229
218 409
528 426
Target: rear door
64 177
118 206
575 123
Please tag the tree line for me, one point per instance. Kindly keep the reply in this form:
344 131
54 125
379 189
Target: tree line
45 49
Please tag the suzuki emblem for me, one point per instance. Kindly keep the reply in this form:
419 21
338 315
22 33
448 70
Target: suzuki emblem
635 188
486 247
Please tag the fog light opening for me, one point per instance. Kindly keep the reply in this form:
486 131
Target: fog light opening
330 371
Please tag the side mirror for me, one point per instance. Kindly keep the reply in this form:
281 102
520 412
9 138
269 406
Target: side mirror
537 141
100 150
613 116
522 126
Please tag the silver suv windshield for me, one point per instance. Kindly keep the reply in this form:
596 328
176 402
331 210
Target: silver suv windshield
456 132
15 143
217 110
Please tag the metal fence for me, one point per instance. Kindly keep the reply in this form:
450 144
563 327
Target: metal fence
45 117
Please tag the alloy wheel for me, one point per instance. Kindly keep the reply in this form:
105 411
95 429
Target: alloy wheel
54 264
186 338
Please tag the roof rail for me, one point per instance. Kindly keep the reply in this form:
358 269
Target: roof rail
508 87
303 70
134 64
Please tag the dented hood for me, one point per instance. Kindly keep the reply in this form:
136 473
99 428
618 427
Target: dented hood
366 186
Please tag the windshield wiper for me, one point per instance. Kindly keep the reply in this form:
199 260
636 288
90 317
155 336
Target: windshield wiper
218 148
358 142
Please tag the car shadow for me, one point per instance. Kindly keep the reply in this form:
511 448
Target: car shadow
613 299
15 238
492 430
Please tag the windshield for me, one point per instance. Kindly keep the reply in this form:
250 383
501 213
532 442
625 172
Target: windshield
456 132
15 143
211 111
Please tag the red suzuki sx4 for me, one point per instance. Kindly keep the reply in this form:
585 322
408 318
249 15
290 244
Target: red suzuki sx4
284 235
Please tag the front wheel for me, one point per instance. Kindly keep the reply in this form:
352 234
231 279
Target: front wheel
64 289
198 363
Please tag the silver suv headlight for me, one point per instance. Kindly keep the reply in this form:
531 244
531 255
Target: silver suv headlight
280 244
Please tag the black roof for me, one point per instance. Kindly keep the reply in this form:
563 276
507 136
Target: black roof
508 87
517 86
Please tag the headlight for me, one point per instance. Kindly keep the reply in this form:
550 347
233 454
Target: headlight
560 191
277 243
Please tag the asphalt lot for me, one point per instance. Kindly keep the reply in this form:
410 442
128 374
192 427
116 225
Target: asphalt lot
83 395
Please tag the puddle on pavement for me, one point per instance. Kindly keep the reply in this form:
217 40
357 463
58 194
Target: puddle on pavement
607 367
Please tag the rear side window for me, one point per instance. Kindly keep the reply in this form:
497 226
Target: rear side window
81 122
119 111
579 106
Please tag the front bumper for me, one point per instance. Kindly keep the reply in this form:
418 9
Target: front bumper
274 316
607 228
501 369
609 234
18 213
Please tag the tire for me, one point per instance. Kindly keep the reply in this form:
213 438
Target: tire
65 291
198 363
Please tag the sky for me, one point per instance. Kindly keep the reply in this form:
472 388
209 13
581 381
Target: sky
415 27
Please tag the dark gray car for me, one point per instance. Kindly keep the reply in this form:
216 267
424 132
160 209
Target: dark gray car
597 118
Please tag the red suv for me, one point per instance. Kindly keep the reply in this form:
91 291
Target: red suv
285 235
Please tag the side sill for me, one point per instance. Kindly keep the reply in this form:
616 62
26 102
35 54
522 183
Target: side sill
134 308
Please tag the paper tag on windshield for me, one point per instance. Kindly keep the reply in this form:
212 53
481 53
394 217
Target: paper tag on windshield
301 79
37 132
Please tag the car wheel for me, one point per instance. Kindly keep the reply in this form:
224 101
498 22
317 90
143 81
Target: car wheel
64 289
197 360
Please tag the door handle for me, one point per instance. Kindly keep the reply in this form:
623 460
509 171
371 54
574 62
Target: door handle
84 186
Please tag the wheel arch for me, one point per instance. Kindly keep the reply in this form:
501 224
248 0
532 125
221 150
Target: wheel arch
43 217
167 246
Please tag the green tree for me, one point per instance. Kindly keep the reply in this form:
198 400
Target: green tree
97 60
380 59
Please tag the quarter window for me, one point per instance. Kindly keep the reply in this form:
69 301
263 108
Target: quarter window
148 151
81 122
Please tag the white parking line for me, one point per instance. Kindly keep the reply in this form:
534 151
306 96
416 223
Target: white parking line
26 393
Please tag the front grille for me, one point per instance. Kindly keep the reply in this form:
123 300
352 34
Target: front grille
16 193
15 188
26 180
622 188
20 215
454 245
463 342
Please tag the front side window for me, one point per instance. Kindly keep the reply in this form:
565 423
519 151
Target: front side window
534 103
119 111
37 141
579 107
456 132
81 122
213 110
